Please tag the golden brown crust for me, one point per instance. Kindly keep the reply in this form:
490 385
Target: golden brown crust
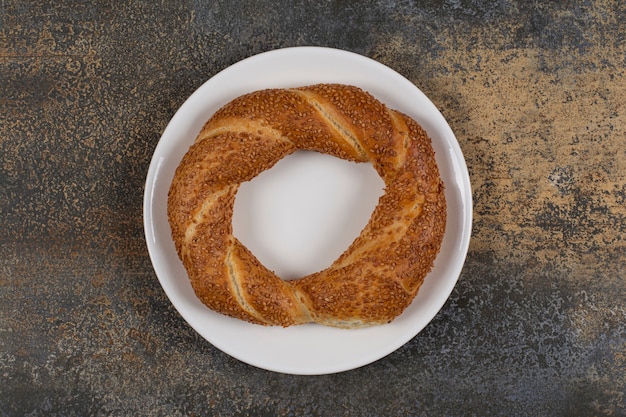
378 276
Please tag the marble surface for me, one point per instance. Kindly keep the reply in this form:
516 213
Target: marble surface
536 94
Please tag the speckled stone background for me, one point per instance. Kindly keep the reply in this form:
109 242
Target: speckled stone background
536 94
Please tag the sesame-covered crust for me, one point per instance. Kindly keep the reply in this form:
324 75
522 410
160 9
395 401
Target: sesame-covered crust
378 276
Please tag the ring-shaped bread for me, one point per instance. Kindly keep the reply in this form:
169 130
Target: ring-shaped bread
378 276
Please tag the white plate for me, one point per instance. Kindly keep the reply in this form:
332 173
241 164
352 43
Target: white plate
308 349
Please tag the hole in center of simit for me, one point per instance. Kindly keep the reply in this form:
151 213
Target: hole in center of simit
304 212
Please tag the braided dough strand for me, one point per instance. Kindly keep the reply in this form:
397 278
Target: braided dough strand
378 276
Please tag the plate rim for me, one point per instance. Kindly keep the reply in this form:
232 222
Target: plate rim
452 142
